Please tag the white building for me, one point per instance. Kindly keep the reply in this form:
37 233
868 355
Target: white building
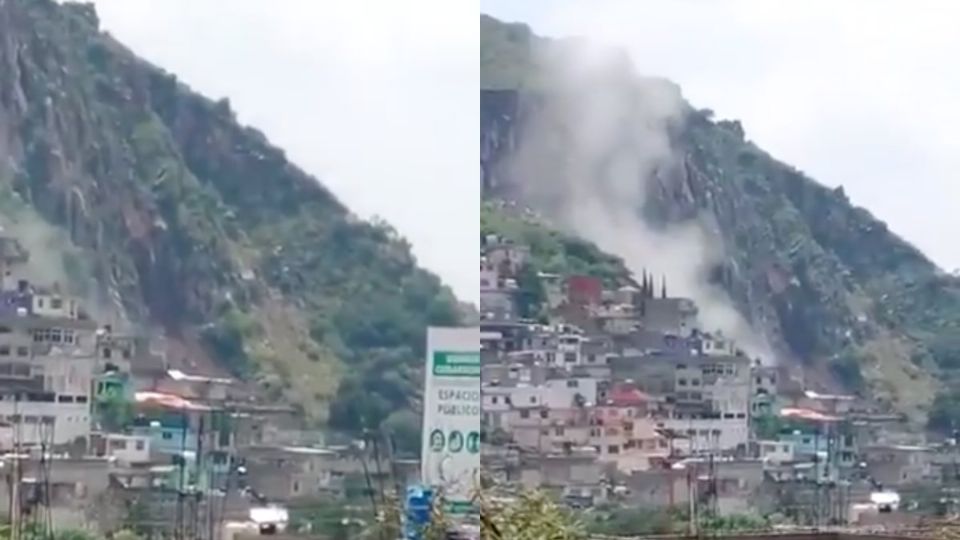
127 449
776 451
46 374
708 435
54 305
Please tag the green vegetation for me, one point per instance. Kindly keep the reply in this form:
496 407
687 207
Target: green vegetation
199 224
848 297
620 521
506 60
551 251
846 368
33 532
115 413
944 414
530 516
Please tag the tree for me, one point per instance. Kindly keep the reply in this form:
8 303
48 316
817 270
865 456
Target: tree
945 412
531 516
404 428
531 295
114 412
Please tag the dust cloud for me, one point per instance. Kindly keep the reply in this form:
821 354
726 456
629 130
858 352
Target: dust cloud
597 146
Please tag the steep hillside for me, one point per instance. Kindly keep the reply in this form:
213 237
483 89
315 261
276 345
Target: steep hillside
823 282
196 225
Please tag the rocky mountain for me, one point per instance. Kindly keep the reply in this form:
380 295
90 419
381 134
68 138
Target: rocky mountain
154 203
576 138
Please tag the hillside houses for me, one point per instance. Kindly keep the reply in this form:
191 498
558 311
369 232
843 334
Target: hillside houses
110 424
616 392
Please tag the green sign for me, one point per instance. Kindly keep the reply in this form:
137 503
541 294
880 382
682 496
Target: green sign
452 407
451 364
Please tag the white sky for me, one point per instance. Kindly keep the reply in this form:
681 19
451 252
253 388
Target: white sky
859 93
378 99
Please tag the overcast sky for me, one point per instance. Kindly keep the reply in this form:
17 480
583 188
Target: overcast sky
378 99
859 93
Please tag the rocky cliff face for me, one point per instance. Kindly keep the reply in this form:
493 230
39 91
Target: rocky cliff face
197 226
821 282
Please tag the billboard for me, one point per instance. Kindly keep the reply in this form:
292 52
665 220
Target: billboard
450 455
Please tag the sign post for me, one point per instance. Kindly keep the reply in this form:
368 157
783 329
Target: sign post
450 458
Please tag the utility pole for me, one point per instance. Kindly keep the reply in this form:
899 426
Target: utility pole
179 530
392 448
692 499
14 480
198 468
15 475
376 457
366 475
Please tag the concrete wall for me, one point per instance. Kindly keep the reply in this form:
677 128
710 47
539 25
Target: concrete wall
70 421
128 449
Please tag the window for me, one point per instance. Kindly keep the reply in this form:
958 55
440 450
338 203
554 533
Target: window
118 444
40 302
140 444
613 449
533 399
493 399
544 413
4 350
569 357
167 435
694 382
573 383
296 486
682 382
558 432
56 303
106 352
524 413
81 399
23 351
